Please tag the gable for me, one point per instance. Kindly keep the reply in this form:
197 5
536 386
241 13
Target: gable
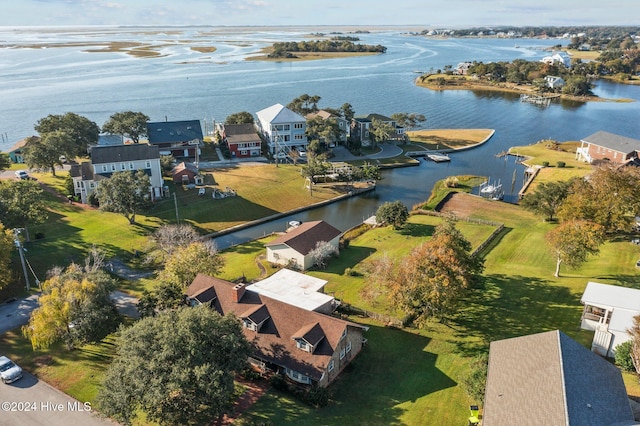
278 113
304 238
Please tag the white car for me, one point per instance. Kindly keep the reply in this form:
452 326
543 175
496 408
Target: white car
22 174
302 152
9 371
282 155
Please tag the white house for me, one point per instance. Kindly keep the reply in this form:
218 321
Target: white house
609 311
554 82
295 247
282 128
106 160
556 59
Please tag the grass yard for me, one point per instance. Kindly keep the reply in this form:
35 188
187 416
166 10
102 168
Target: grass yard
448 138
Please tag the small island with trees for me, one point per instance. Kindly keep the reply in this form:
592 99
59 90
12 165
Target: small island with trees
320 49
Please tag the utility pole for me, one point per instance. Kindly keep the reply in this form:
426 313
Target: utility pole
175 203
18 244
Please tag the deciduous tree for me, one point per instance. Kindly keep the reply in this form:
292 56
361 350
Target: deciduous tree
393 213
126 193
21 204
74 308
430 281
304 104
83 131
572 242
175 368
409 121
322 253
127 123
5 161
380 131
169 238
242 117
182 266
6 248
546 198
45 152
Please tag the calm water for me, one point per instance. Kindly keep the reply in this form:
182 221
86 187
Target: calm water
185 84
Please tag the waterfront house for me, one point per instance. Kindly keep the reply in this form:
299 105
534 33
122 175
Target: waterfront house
295 288
295 247
605 146
343 125
182 139
609 311
361 126
554 82
310 348
241 139
16 151
106 160
557 59
282 129
550 379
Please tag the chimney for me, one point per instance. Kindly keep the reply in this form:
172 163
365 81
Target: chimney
236 292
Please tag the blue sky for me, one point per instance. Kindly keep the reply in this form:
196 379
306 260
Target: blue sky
423 13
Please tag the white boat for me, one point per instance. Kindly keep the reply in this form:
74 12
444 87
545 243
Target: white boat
438 158
492 191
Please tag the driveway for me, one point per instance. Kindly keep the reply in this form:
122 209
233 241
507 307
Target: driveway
386 150
17 313
30 401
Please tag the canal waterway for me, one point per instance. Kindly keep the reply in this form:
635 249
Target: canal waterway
184 84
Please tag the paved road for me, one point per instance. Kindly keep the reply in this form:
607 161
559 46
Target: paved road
17 313
30 401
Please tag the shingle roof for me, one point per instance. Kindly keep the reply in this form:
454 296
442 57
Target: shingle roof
84 170
119 153
274 341
303 239
174 131
612 141
185 166
238 133
278 113
549 378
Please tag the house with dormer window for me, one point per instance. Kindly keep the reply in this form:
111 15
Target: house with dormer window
106 160
308 347
282 129
182 139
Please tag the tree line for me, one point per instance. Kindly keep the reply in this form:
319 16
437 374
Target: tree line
287 49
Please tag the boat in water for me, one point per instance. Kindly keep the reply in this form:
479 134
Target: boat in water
438 158
492 191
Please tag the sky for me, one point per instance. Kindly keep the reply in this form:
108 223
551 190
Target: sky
422 13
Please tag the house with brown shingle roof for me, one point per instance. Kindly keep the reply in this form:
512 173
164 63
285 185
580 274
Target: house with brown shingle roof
550 379
241 139
295 247
308 347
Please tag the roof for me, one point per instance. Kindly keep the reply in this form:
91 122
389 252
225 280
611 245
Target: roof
238 133
304 238
549 378
174 131
294 288
623 301
322 114
613 141
119 153
275 341
278 113
185 166
83 170
21 143
371 117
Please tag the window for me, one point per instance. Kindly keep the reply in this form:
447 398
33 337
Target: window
301 344
113 167
344 334
286 138
342 353
298 125
130 166
92 185
78 184
104 167
298 137
331 366
148 164
243 152
348 346
122 166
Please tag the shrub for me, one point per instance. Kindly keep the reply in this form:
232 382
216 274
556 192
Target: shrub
545 164
317 396
623 356
561 164
278 382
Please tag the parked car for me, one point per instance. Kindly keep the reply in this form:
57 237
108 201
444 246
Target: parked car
9 371
302 152
22 174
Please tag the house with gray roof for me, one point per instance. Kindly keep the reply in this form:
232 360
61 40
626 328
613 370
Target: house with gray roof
605 146
182 139
106 160
550 379
361 128
609 311
295 247
282 129
308 347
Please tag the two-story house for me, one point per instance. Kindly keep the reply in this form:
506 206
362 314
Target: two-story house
182 139
309 347
241 139
361 129
343 125
106 160
282 129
